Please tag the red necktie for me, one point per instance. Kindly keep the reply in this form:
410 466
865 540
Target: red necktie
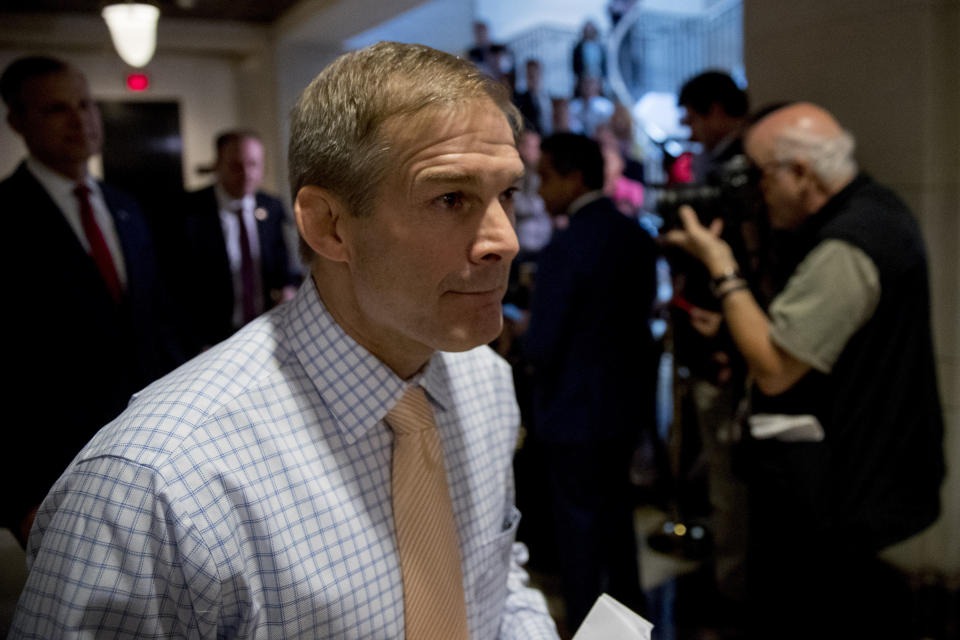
98 246
246 271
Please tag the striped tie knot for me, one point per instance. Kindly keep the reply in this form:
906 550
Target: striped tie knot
412 413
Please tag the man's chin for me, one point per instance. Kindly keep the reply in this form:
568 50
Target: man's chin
475 335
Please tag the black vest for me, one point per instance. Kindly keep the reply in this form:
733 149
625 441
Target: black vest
876 476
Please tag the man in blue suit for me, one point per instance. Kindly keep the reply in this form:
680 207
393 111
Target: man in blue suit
232 255
87 323
594 374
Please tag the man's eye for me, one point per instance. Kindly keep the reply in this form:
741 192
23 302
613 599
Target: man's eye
450 200
507 196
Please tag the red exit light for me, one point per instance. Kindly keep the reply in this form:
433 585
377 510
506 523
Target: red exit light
138 82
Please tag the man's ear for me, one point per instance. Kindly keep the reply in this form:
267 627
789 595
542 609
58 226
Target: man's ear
803 172
318 214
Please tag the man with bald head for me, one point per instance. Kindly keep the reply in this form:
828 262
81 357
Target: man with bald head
844 451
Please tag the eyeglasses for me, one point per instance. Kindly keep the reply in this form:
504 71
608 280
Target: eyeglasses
759 171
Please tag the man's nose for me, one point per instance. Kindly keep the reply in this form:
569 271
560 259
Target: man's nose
78 115
496 238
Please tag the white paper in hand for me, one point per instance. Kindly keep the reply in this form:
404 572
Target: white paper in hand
787 428
611 620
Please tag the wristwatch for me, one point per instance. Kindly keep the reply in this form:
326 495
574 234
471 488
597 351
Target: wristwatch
727 282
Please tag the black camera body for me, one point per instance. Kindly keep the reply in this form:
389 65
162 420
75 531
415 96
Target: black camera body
731 193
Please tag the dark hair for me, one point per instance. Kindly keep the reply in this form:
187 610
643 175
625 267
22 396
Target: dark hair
571 152
703 91
766 110
234 135
22 70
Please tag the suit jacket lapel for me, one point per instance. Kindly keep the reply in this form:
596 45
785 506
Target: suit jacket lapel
127 232
59 235
264 230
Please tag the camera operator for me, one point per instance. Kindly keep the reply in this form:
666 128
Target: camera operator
844 451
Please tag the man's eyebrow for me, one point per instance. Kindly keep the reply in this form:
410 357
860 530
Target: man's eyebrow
446 177
460 177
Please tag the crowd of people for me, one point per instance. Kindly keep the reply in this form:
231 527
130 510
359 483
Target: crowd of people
335 458
777 300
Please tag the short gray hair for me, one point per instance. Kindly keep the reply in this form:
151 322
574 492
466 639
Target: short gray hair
336 140
830 157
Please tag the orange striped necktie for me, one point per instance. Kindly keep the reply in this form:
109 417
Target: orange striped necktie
433 599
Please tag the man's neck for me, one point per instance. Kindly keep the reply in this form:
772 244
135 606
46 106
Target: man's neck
584 197
51 178
403 357
225 198
826 193
70 170
725 140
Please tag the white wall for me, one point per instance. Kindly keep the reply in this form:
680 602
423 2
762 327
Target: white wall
210 70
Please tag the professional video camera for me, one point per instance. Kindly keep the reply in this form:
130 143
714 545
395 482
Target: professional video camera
731 193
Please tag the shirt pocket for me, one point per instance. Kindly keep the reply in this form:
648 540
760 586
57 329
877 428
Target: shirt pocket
493 567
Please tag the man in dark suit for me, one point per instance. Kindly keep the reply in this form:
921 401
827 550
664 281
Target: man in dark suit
232 256
594 375
87 325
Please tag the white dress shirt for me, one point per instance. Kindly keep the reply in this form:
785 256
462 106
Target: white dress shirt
60 189
230 224
248 495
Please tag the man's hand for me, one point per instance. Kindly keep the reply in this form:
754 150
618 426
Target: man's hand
703 243
773 369
706 322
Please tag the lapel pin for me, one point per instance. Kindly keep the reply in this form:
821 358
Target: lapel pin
260 214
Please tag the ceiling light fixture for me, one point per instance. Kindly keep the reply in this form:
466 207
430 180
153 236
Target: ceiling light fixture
133 29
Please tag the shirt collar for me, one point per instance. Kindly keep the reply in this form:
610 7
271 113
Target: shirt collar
725 142
53 182
583 201
356 387
228 203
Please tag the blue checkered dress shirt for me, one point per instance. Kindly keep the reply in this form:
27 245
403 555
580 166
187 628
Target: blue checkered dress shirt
247 495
